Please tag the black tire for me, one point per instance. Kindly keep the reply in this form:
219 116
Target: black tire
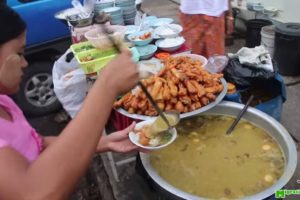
33 103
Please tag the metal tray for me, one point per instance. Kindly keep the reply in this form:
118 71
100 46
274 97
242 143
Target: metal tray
183 115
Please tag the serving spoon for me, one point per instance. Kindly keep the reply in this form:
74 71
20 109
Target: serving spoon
240 115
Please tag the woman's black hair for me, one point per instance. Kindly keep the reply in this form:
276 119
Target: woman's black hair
12 25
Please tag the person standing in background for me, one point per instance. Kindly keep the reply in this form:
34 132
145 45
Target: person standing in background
203 24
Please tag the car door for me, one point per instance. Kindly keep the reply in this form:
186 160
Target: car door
42 27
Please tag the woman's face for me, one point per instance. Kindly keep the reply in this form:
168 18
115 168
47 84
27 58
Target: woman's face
12 64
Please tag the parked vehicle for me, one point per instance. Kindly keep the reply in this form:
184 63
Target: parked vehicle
47 39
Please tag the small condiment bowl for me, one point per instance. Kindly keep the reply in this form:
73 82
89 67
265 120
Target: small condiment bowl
134 138
146 52
132 38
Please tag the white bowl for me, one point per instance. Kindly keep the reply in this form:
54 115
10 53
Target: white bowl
173 44
134 138
160 21
166 32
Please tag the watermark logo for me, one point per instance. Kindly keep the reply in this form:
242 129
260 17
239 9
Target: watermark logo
281 194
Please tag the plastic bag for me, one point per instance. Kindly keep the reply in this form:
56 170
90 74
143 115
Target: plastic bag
70 84
243 75
216 64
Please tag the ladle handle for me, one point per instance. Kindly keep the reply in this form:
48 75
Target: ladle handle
240 115
154 104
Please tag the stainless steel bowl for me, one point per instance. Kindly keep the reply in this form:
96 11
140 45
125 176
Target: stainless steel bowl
274 128
72 15
77 21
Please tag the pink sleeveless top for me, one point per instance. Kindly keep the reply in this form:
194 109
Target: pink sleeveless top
18 133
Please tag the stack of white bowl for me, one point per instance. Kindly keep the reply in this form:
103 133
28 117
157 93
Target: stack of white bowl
129 10
100 5
170 37
116 15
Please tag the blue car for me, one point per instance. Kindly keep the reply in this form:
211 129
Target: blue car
47 39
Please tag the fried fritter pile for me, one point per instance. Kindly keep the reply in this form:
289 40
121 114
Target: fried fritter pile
183 85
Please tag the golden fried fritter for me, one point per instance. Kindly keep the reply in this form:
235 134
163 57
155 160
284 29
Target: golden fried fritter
182 85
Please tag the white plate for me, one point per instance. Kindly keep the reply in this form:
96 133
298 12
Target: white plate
134 138
183 115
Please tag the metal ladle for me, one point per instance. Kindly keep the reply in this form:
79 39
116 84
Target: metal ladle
240 115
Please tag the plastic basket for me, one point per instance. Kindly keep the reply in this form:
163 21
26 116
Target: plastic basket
81 47
100 59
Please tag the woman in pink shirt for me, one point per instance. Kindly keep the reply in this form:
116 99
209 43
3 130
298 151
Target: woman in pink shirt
34 167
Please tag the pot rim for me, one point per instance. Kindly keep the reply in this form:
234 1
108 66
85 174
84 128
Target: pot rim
290 167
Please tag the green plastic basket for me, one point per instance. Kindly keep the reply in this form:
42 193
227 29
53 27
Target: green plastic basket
81 47
100 59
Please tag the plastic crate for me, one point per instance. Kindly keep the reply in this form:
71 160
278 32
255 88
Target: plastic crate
81 47
100 59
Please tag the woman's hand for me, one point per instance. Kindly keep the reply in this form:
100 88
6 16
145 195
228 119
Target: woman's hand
117 141
121 74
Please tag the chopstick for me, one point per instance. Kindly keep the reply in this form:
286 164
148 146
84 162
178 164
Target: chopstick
240 115
148 95
154 104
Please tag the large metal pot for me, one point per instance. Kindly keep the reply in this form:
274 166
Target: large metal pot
261 120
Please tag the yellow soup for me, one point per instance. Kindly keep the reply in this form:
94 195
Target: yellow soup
206 162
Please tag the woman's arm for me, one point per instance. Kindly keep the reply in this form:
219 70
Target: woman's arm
116 142
48 140
56 171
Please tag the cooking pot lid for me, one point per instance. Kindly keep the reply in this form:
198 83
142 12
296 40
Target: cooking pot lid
290 29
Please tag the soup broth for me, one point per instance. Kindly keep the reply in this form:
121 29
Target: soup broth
206 162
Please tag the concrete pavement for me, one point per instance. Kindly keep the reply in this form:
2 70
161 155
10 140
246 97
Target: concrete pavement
161 8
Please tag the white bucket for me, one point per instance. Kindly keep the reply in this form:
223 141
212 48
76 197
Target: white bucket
268 38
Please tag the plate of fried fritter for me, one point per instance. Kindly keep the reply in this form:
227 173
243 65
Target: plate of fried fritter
182 85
